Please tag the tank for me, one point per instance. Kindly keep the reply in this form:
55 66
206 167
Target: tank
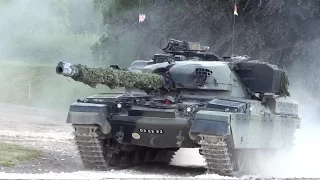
232 108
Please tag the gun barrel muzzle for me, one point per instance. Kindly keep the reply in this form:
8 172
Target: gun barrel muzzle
66 69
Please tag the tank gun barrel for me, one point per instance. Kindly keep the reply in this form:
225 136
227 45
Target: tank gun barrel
110 77
66 69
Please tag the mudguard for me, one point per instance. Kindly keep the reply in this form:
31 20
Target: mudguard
89 113
210 122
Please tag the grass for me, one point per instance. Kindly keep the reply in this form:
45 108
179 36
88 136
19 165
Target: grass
47 89
11 154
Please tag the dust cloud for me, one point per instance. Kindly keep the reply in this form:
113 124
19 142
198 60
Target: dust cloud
303 159
48 31
306 154
188 157
35 36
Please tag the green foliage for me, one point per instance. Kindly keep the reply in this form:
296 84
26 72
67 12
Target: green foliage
11 154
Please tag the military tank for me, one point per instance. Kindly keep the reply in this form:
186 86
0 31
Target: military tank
231 108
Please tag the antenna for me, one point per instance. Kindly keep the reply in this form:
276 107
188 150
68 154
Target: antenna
235 13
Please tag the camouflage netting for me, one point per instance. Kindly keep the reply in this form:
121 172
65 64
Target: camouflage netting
284 84
117 78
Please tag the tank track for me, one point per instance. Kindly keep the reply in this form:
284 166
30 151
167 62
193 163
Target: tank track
215 151
97 154
90 146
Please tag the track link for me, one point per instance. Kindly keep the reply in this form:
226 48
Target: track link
215 151
91 147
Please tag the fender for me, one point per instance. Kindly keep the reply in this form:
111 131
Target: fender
210 122
89 113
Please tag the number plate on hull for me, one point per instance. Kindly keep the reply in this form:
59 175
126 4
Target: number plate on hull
151 131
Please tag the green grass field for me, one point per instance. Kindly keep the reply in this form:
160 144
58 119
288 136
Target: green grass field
11 154
39 85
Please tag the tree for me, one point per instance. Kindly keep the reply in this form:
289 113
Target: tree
264 24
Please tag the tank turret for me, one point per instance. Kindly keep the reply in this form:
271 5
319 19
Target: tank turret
187 65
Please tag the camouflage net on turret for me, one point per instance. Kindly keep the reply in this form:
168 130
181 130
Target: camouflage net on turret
284 83
117 78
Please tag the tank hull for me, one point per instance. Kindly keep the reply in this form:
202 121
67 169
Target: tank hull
225 131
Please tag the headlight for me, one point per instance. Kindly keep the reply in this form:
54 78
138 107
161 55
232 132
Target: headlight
188 109
119 105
